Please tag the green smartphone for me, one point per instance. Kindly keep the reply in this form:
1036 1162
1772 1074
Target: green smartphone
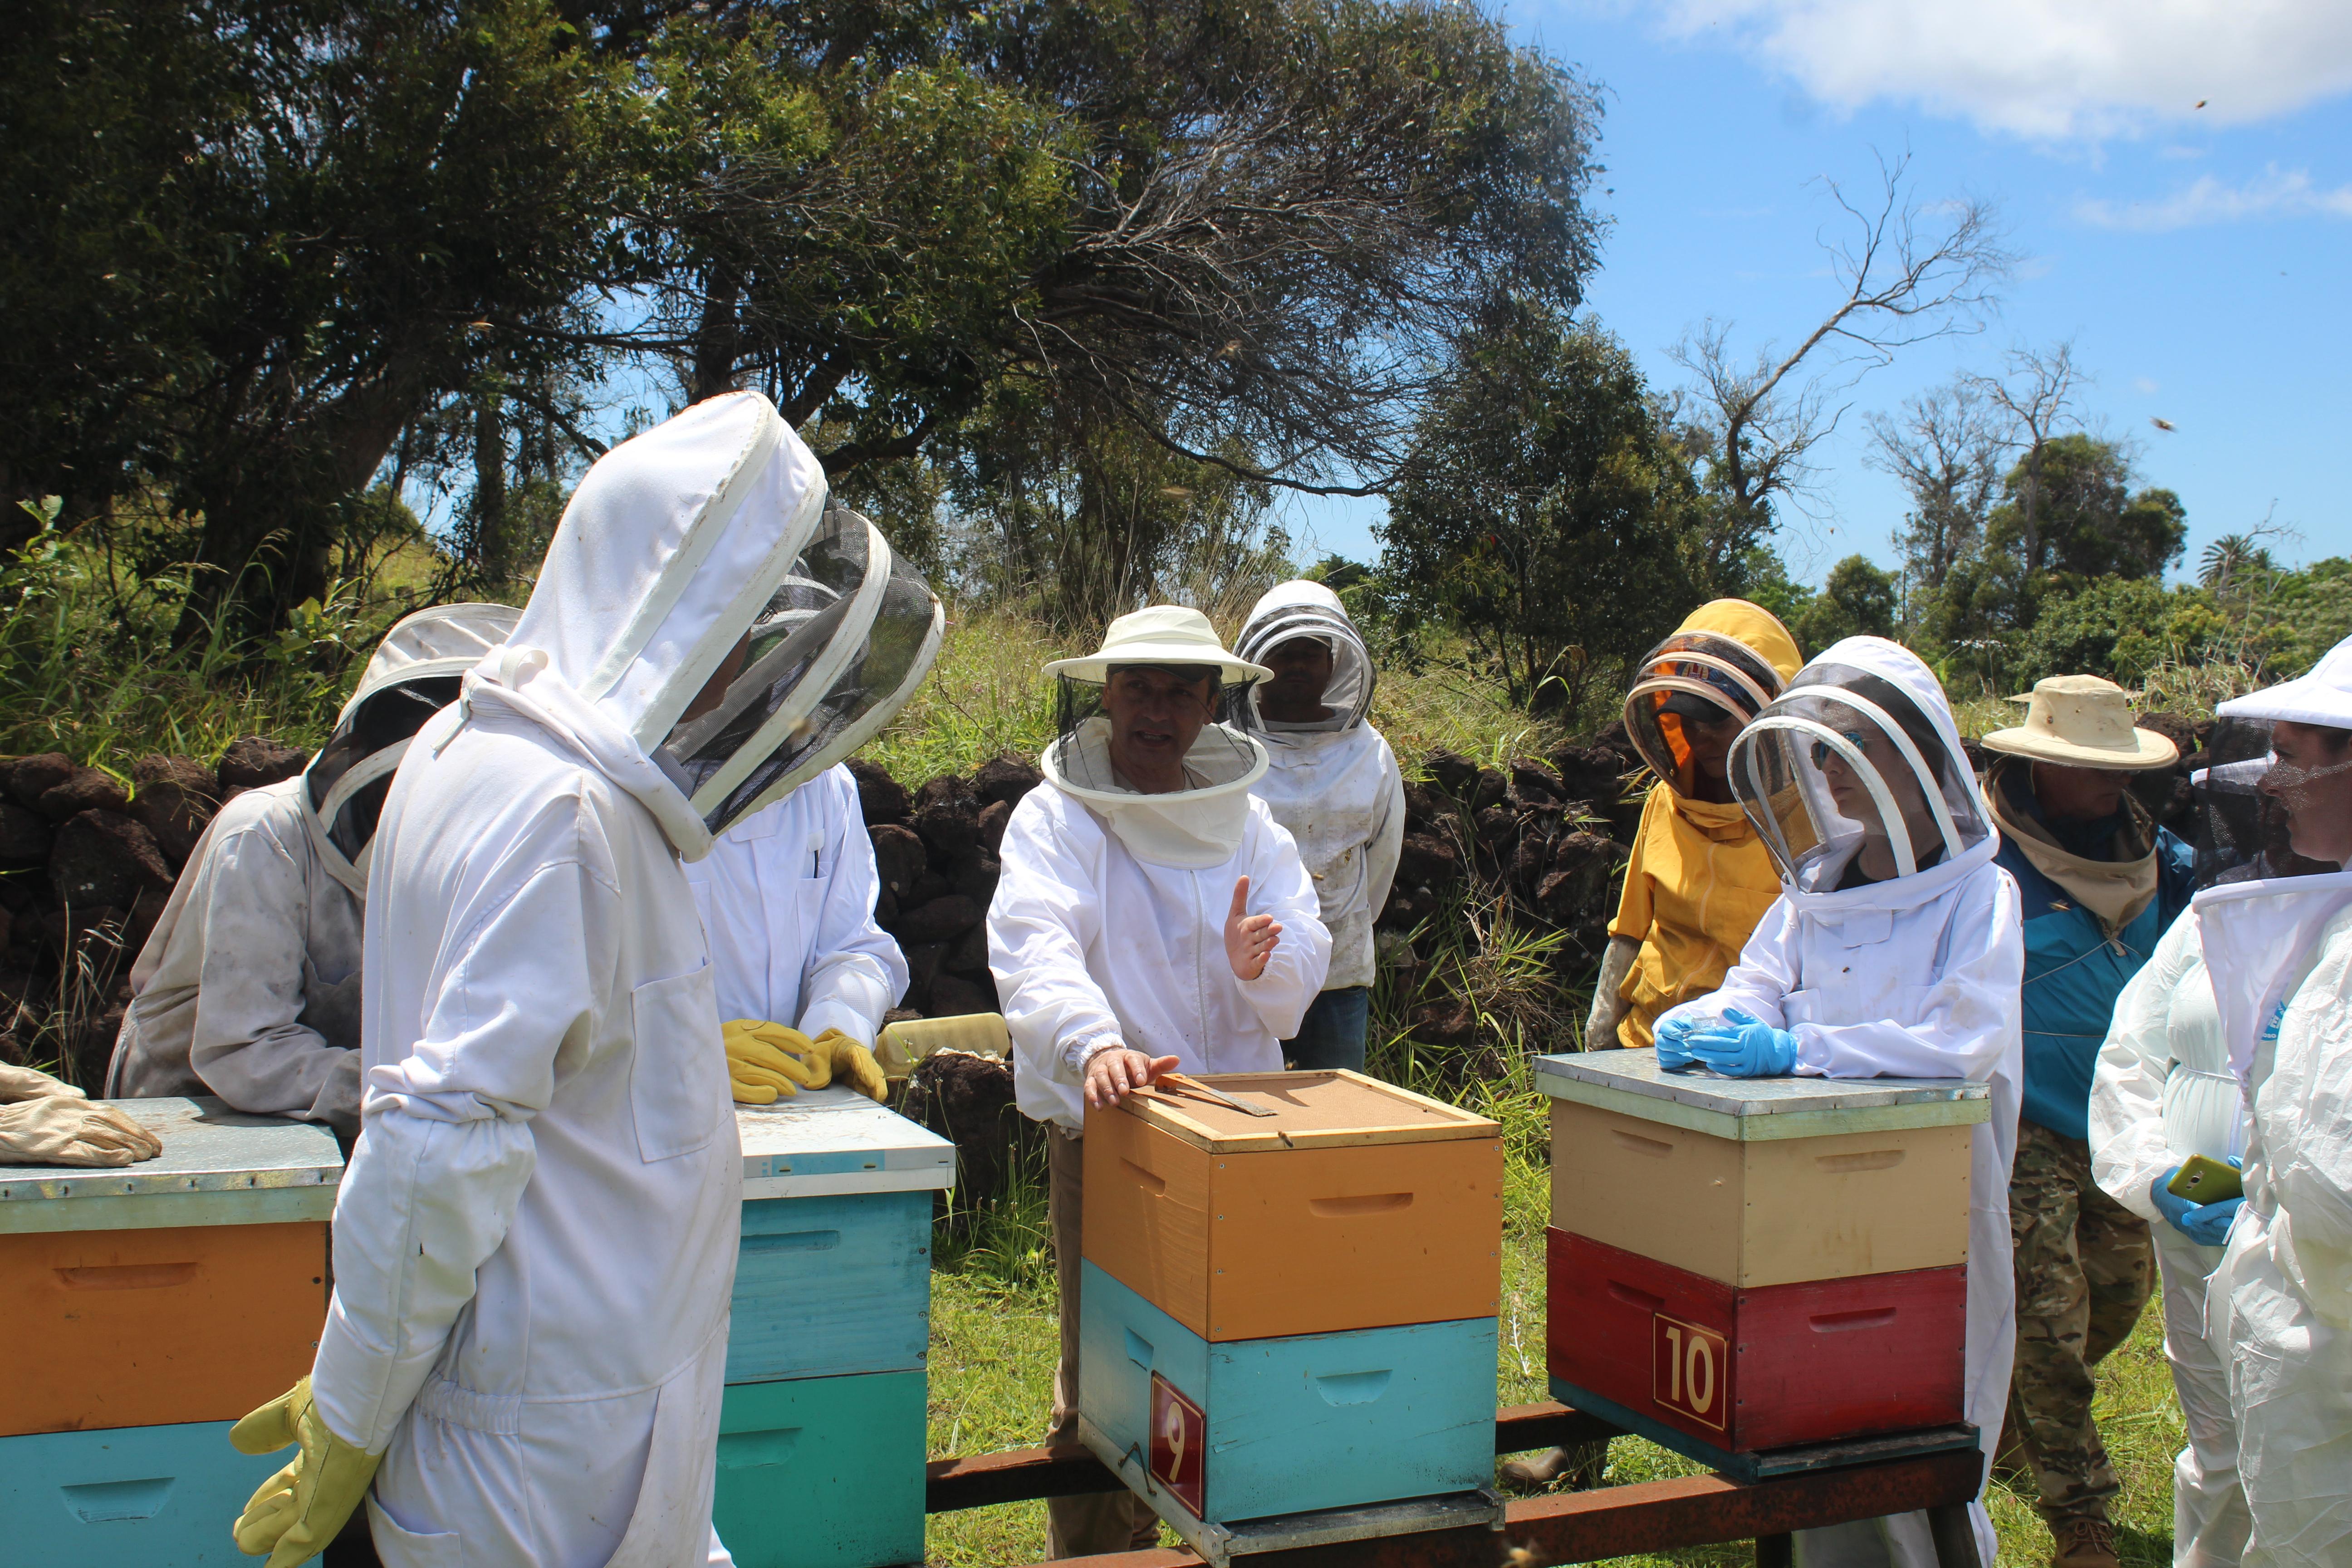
2205 1181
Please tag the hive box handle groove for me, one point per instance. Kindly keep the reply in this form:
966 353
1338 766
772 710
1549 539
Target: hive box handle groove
1352 1387
795 1241
757 1450
1641 1299
1371 1203
1873 1160
1837 1322
111 1502
1139 1350
1634 1142
1157 1185
129 1275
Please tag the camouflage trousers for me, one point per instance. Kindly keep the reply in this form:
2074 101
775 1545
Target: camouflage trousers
2084 1265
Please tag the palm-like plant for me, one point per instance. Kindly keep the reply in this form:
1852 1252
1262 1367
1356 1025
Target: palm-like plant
2228 560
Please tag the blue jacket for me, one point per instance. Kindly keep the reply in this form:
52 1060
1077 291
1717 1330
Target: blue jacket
2073 971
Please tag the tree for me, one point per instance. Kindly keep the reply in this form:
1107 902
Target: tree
1946 449
2069 509
1548 508
1857 600
1911 271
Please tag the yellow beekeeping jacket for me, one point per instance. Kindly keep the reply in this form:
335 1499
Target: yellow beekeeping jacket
1699 881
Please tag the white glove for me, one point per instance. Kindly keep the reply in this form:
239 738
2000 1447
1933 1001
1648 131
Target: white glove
31 1083
66 1130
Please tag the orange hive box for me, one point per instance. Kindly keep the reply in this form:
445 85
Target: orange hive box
189 1288
1356 1205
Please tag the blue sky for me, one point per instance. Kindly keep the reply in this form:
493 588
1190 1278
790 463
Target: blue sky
2196 259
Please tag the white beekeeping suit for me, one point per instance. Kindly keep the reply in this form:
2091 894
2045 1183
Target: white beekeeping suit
2162 1092
1334 786
787 899
2279 951
1857 770
535 1240
250 986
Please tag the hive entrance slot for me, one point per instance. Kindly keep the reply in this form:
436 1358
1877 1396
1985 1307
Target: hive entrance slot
1873 1160
1634 1144
1837 1322
795 1241
1352 1387
1371 1203
110 1503
1157 1185
128 1276
757 1450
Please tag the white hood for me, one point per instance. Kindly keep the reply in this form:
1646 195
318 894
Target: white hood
1191 829
1304 609
668 551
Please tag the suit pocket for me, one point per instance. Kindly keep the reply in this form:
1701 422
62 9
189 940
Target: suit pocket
398 1547
678 1073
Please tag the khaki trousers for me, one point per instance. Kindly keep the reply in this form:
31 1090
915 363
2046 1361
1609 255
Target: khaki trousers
1100 1522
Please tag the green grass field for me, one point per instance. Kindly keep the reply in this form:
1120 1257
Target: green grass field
992 1347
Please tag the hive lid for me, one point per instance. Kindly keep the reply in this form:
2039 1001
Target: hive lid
208 1148
835 1140
1311 1111
1633 1083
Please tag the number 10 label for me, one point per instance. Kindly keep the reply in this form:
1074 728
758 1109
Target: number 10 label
1689 1369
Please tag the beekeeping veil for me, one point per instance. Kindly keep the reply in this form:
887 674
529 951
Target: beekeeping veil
2242 825
414 674
1862 745
1195 828
1304 609
1726 661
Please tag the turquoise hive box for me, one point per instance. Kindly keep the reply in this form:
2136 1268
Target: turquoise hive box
820 1444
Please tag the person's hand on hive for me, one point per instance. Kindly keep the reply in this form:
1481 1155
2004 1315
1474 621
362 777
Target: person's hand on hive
1250 939
1114 1074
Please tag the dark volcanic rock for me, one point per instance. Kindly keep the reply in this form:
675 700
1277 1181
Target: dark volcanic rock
1407 906
1582 876
969 956
24 835
941 919
1491 789
102 857
1452 774
252 760
953 995
975 876
880 796
968 1100
1420 807
947 814
176 799
1497 826
1587 772
898 856
86 789
1005 779
1447 1022
923 960
994 819
1426 860
30 778
1534 784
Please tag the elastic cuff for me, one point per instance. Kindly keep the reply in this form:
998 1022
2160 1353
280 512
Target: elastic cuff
1079 1052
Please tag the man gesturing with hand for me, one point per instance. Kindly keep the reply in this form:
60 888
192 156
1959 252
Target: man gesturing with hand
1151 918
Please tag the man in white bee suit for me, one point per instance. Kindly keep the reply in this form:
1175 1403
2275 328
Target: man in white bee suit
535 1239
1333 785
1894 950
2279 954
250 986
2163 1091
1151 916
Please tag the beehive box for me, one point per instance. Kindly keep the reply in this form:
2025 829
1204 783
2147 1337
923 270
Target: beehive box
187 1289
1356 1206
1739 1265
157 1497
822 1444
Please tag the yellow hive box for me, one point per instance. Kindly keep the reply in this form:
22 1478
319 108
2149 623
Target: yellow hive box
1355 1206
1760 1182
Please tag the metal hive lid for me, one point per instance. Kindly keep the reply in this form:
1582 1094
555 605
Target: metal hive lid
208 1147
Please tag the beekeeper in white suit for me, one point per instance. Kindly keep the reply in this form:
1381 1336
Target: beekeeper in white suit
2279 953
1151 916
1333 785
535 1240
1894 950
250 986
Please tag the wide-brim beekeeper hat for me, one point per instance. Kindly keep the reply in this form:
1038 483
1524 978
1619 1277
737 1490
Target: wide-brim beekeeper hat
2083 721
2322 698
1163 637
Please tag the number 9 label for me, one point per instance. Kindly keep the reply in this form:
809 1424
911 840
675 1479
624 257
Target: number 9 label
1689 1370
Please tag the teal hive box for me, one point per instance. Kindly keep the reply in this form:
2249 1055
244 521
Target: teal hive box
820 1444
157 1497
1323 1436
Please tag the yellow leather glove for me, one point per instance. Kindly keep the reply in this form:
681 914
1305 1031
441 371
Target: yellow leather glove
766 1061
300 1509
853 1063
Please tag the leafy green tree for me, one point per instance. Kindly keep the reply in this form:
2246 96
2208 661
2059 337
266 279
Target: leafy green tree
1548 508
1857 599
2085 520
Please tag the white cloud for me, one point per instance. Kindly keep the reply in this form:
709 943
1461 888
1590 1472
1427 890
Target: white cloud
2146 388
2049 70
2277 193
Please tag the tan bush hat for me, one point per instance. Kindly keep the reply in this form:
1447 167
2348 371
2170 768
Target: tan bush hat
1163 634
2083 721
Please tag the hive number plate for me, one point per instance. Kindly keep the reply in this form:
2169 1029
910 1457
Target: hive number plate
1689 1369
1180 1436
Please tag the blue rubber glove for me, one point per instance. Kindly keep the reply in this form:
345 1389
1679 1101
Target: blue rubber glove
1742 1047
2208 1225
1673 1044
